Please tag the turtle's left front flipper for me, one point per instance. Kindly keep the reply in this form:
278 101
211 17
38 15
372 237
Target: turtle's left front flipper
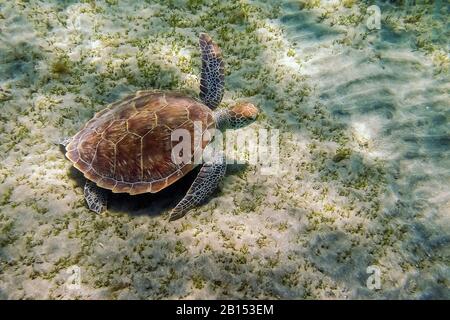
204 185
212 78
96 197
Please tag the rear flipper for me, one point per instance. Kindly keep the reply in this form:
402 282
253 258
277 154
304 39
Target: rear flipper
206 182
64 142
96 197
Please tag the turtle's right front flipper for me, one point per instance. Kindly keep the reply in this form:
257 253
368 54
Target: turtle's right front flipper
96 197
203 186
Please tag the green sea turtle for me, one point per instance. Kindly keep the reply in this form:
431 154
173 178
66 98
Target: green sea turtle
127 147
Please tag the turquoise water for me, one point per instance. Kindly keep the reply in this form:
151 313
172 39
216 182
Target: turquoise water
363 117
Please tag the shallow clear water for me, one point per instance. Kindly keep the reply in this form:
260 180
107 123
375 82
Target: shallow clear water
364 151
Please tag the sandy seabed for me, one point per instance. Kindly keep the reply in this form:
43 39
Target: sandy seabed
364 171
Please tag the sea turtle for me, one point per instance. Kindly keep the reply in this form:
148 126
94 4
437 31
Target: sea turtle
127 147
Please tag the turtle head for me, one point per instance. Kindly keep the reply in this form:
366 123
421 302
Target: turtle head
242 114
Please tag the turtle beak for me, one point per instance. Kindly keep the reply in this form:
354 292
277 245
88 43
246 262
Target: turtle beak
253 111
256 113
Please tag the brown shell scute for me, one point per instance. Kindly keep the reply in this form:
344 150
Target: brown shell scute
128 160
142 123
127 146
104 160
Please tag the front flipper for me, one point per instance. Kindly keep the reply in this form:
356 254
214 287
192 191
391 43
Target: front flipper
204 184
96 197
212 78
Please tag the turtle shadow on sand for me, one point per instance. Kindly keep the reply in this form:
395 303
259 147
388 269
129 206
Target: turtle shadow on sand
151 204
154 204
